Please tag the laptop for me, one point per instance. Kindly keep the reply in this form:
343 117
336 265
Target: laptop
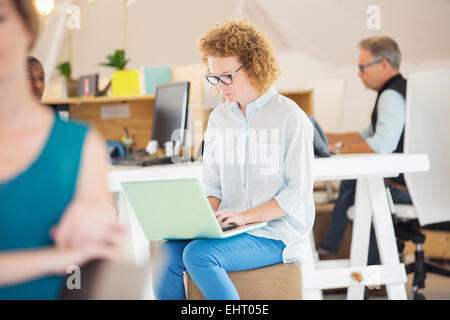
177 210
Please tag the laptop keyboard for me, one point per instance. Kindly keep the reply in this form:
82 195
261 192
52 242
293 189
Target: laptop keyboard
127 162
229 227
143 163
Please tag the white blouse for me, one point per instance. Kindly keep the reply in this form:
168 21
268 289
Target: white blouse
266 154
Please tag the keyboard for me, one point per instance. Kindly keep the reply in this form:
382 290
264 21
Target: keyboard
229 227
143 163
158 161
127 162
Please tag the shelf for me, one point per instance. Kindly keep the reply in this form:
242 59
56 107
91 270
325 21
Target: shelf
95 100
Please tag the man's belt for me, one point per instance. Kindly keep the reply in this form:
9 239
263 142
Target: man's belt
395 185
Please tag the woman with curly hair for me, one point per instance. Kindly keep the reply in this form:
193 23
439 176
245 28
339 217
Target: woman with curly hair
257 168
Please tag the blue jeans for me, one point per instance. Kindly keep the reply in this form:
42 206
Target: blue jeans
338 222
207 262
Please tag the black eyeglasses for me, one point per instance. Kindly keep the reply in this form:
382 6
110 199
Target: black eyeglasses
226 79
363 66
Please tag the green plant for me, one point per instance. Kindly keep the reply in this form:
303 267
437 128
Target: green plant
116 60
66 70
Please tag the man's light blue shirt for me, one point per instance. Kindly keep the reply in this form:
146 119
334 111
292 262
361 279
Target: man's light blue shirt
265 155
391 120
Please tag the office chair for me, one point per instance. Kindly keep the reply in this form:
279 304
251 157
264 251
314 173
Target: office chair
426 131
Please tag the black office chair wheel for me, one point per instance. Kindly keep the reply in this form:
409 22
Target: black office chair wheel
419 296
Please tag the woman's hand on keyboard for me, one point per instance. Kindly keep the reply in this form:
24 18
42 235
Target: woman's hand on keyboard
227 217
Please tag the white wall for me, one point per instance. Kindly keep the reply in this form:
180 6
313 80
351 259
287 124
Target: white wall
358 102
158 32
315 42
341 101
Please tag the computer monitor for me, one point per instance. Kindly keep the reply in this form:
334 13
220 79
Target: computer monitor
170 113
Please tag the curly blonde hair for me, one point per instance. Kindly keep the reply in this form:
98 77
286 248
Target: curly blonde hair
250 46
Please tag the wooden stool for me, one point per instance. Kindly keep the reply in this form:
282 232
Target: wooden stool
277 282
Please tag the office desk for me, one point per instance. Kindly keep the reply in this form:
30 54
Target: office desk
371 203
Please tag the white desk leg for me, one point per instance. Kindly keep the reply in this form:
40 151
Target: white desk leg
308 269
384 230
359 249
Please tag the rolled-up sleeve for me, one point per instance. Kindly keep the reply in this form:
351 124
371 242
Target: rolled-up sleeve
210 170
299 177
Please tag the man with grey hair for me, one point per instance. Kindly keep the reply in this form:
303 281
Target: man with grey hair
379 62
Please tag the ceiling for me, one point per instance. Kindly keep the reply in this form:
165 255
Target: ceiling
330 30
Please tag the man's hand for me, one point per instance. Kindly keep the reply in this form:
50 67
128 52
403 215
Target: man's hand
333 138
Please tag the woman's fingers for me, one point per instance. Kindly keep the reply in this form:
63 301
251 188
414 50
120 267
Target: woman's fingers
226 218
81 224
58 234
222 215
108 243
228 221
86 232
116 238
110 246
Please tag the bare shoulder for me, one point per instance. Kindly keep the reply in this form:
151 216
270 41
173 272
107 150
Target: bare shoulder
94 147
94 165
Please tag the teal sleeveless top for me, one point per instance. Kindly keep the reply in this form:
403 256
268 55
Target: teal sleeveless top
34 201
